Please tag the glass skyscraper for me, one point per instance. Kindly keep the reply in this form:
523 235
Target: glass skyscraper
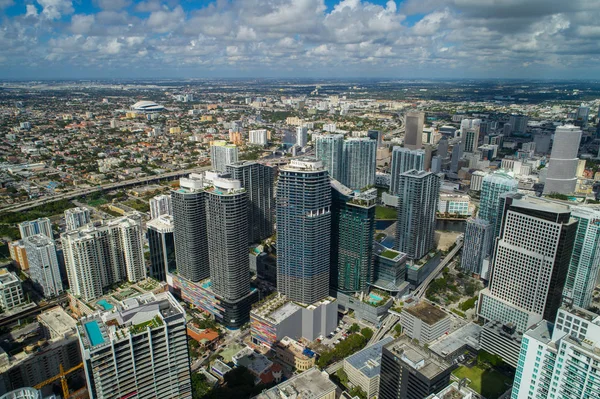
303 214
403 160
329 149
359 163
492 187
162 247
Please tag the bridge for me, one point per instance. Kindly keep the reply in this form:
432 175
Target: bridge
421 289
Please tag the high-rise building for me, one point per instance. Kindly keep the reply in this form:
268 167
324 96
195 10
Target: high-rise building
189 229
77 217
162 247
559 360
11 291
359 163
582 116
403 160
98 255
418 196
227 227
258 137
411 372
303 214
43 264
562 171
436 164
38 226
530 263
376 135
518 124
492 186
585 260
329 149
413 134
469 140
222 154
301 136
477 245
145 340
160 205
353 227
259 181
442 149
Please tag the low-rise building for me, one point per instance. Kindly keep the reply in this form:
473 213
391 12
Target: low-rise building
454 204
363 368
503 340
424 322
11 292
313 384
292 353
18 254
56 323
453 391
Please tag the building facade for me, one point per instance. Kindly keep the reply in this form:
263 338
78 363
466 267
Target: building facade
222 154
403 160
413 134
477 245
38 226
359 163
329 149
11 292
162 247
160 205
43 265
562 171
77 217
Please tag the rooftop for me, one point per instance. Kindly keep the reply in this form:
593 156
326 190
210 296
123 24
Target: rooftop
58 321
447 344
428 313
311 384
7 277
163 223
418 358
542 331
368 360
277 309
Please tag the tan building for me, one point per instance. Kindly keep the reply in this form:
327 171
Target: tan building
312 384
292 353
18 254
424 322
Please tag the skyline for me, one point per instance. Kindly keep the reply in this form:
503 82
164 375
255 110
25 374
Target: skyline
433 39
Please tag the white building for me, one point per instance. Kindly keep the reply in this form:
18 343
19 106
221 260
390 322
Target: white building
38 226
43 264
330 127
313 384
258 137
76 217
11 292
363 367
222 154
160 205
424 322
562 171
477 180
301 136
454 204
138 351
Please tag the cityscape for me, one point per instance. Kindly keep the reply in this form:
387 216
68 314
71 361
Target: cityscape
273 230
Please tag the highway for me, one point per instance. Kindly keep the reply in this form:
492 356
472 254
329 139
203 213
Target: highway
104 187
421 289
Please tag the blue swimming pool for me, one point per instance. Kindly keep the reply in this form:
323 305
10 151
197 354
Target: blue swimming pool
374 298
94 334
105 304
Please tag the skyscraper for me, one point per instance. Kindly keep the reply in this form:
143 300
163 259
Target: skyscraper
492 187
38 226
162 247
457 154
329 149
470 135
43 264
585 260
518 124
301 136
442 149
258 180
530 264
353 227
160 205
140 350
104 253
582 116
403 160
477 245
222 154
418 196
413 135
227 227
76 217
189 228
258 137
375 135
303 214
359 163
562 171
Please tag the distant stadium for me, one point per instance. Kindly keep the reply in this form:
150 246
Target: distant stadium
147 106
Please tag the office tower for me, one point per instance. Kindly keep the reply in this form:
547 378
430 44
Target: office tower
377 136
43 264
530 264
38 226
101 254
77 217
227 227
559 361
258 137
359 163
442 149
428 156
189 228
162 247
518 124
456 156
329 149
477 245
11 292
413 134
585 260
160 205
301 136
582 116
409 371
436 164
562 170
222 154
470 139
259 181
353 227
492 187
418 196
404 160
303 214
138 351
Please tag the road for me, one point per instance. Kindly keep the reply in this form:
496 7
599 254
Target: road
104 187
420 291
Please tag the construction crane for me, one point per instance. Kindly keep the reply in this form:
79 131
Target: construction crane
63 379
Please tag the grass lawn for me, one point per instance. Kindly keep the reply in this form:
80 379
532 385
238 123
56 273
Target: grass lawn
489 383
383 212
97 202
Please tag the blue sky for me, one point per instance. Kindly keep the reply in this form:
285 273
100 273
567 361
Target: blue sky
300 38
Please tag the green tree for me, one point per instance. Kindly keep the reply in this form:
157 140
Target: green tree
367 333
354 328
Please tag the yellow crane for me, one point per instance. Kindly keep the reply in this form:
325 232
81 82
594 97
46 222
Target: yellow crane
63 379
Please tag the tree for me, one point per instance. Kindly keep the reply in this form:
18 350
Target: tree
367 333
354 328
357 391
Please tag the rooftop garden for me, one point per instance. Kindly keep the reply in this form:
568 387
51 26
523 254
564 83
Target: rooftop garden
156 321
389 254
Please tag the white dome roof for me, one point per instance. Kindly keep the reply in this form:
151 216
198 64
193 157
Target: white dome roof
147 106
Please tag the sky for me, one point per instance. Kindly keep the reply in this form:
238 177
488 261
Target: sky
47 39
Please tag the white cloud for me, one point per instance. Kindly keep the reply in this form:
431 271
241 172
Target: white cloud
164 20
55 9
112 5
82 24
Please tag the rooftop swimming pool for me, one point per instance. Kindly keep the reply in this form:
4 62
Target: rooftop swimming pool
374 298
104 304
94 334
